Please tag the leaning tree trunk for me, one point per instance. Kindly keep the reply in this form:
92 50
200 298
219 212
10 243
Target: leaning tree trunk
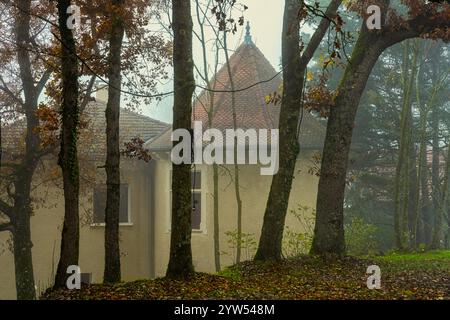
68 156
112 249
180 262
329 228
294 67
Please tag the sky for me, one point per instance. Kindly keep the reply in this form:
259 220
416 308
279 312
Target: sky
266 19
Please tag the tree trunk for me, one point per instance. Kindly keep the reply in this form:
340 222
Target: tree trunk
421 171
402 189
216 218
112 271
329 228
68 156
413 187
443 203
210 112
23 260
294 67
237 190
328 232
22 210
425 196
180 262
436 194
418 235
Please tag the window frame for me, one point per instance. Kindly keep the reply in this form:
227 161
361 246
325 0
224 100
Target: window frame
202 229
121 224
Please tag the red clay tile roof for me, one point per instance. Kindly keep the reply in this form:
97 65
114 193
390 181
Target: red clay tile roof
249 68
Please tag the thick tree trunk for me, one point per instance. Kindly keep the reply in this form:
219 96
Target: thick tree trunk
274 217
294 67
180 263
23 261
329 233
112 271
22 211
329 228
68 156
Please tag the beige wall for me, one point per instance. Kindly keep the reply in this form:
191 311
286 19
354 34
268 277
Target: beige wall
136 238
254 193
46 232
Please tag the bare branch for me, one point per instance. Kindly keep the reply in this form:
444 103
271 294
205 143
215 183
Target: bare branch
5 89
7 227
41 84
318 35
6 209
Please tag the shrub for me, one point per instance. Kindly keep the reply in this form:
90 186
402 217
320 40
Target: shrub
360 237
298 243
247 241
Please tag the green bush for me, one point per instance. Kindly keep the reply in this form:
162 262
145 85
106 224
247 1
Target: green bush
298 243
247 242
360 237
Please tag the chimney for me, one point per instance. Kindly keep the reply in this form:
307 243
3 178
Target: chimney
101 91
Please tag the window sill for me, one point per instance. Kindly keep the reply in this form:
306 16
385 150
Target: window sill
199 231
97 225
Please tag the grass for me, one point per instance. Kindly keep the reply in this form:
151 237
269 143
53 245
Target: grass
418 257
404 276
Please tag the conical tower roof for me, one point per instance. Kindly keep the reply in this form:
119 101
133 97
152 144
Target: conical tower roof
254 78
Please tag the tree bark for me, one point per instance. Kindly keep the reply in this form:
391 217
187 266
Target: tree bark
68 156
329 228
402 185
237 190
435 180
425 199
23 260
112 272
210 112
329 232
294 67
436 244
22 209
180 262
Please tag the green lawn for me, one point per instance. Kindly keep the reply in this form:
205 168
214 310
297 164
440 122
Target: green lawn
417 257
403 276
